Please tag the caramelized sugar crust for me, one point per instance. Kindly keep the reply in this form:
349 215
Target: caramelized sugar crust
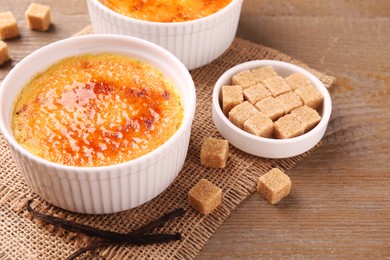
96 110
166 10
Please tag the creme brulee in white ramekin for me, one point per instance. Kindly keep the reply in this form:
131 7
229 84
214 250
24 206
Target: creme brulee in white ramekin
105 189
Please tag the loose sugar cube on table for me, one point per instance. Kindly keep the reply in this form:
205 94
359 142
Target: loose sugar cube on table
4 54
205 197
38 17
288 126
8 26
274 185
276 85
308 116
310 96
244 78
260 125
256 93
289 101
214 152
270 107
264 72
239 114
231 96
297 80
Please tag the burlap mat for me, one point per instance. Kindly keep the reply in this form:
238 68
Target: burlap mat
22 237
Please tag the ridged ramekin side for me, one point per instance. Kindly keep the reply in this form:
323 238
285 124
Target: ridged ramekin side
105 190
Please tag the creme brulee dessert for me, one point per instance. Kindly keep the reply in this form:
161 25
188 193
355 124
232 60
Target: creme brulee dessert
96 110
166 10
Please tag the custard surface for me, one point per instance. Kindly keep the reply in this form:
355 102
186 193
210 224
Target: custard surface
96 110
166 11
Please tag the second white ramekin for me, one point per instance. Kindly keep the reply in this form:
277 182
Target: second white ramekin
195 43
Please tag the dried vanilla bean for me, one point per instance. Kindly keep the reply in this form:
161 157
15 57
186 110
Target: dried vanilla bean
159 222
136 237
128 238
152 239
94 246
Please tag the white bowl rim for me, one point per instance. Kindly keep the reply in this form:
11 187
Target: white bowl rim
169 24
98 169
226 76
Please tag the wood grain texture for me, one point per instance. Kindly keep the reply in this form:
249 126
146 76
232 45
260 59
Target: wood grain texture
339 206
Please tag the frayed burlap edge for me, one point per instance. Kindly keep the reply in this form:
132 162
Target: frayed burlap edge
22 237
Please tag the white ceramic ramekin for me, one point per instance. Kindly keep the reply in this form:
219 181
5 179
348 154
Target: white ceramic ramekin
267 147
195 43
98 190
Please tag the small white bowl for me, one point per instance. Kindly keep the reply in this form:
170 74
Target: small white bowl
196 42
268 147
107 189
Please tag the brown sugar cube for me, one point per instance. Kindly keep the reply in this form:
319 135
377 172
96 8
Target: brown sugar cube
264 72
274 185
8 26
270 107
38 17
310 96
256 93
276 85
259 125
244 79
308 116
239 114
204 196
289 101
231 96
288 126
297 80
4 54
214 152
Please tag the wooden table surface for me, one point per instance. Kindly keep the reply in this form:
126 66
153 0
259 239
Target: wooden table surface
339 206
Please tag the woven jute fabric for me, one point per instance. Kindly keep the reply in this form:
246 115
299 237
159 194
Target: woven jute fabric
22 237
